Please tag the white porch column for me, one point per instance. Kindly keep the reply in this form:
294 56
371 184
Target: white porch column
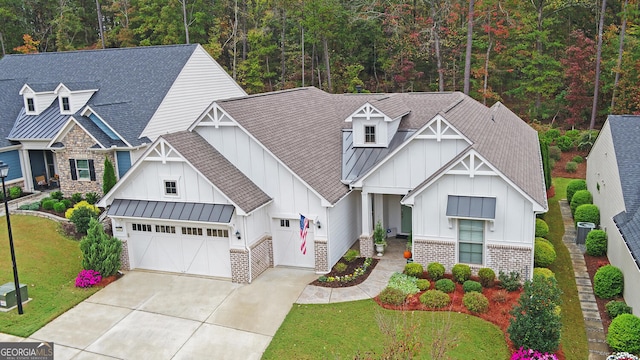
366 214
378 209
25 163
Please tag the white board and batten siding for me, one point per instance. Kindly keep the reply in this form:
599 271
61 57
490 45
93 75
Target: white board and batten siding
344 225
602 169
200 82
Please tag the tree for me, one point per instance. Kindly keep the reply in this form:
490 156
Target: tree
109 177
467 58
30 46
596 87
578 64
100 252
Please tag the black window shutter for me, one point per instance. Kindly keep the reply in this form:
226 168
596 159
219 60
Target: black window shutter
72 165
92 171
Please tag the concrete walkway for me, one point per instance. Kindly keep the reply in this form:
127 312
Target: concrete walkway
598 348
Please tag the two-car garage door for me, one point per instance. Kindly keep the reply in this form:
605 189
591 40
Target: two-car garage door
181 248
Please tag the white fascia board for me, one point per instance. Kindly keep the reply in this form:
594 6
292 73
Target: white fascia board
440 118
61 86
65 129
88 109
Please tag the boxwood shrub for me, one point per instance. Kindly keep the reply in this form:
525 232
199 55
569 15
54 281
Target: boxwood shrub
624 334
487 277
608 282
461 272
435 299
543 254
571 166
445 285
471 286
392 296
573 186
435 271
596 243
587 213
542 229
540 271
48 204
546 242
423 284
15 192
475 302
413 269
579 198
615 308
578 159
59 207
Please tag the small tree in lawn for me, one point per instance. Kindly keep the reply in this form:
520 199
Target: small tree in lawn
536 319
109 177
100 251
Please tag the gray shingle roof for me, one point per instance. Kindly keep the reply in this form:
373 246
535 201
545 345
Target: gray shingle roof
215 167
139 77
301 127
179 211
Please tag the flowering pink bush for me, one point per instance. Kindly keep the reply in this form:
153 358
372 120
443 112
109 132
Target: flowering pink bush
87 278
529 354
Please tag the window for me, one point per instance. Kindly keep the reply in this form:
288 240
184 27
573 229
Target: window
141 227
170 187
82 167
166 229
370 134
191 231
471 241
284 223
218 233
65 104
31 106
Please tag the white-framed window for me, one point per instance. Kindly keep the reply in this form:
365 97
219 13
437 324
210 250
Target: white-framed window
369 134
284 223
168 229
171 187
31 105
64 101
141 227
218 233
191 231
470 241
82 167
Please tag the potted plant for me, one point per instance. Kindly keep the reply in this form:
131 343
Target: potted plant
407 251
379 235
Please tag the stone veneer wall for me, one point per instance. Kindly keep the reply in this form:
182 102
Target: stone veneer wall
77 146
240 266
510 258
124 256
322 256
428 251
261 256
366 245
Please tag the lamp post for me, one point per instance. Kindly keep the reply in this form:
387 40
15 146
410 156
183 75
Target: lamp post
4 171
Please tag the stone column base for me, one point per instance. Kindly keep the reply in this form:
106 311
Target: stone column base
240 266
124 257
322 256
366 245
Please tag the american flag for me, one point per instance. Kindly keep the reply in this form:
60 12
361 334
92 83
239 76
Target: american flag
304 226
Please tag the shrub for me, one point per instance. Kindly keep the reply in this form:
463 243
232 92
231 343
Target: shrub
596 243
413 269
543 254
340 267
530 354
392 296
445 285
66 202
542 229
536 322
564 143
587 139
511 281
622 356
81 204
624 334
76 198
587 213
615 308
573 186
15 192
423 284
109 176
475 302
608 282
546 242
59 207
555 153
487 277
435 299
578 159
472 286
571 166
573 134
351 255
32 206
91 197
404 283
56 195
540 271
100 251
48 204
461 272
499 296
81 218
552 134
435 271
87 278
579 198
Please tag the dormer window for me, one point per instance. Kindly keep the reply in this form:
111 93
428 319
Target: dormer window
31 106
65 104
370 134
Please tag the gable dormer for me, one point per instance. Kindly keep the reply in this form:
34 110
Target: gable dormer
373 127
71 101
36 100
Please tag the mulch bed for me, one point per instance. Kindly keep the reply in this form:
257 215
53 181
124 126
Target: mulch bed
581 172
351 267
593 264
109 279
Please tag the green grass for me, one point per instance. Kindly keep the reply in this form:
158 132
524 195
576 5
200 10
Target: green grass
48 262
343 330
574 336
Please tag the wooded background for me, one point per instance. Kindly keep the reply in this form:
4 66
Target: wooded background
536 56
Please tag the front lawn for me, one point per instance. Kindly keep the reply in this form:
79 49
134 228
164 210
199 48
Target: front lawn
48 262
344 330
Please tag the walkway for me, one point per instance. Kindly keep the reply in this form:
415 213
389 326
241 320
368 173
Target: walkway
598 348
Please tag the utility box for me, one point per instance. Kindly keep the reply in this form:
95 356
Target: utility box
583 230
8 298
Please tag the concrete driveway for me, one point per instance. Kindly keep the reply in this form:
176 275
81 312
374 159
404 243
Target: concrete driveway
148 315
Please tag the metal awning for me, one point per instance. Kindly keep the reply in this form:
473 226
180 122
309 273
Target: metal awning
178 211
475 207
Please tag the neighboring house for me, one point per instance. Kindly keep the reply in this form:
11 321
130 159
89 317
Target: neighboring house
225 198
63 113
613 177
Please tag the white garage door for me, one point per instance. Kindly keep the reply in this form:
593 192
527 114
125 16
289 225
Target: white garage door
287 243
180 249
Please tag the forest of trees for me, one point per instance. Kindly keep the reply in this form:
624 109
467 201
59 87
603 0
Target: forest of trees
536 56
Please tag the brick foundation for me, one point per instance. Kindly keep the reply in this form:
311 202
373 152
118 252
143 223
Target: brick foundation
124 256
366 245
510 258
428 251
261 256
240 266
322 256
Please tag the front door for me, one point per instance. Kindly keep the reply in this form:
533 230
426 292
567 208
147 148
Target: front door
405 219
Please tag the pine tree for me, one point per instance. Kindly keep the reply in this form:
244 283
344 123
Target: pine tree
109 176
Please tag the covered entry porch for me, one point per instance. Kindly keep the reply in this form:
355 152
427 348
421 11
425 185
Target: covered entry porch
395 218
